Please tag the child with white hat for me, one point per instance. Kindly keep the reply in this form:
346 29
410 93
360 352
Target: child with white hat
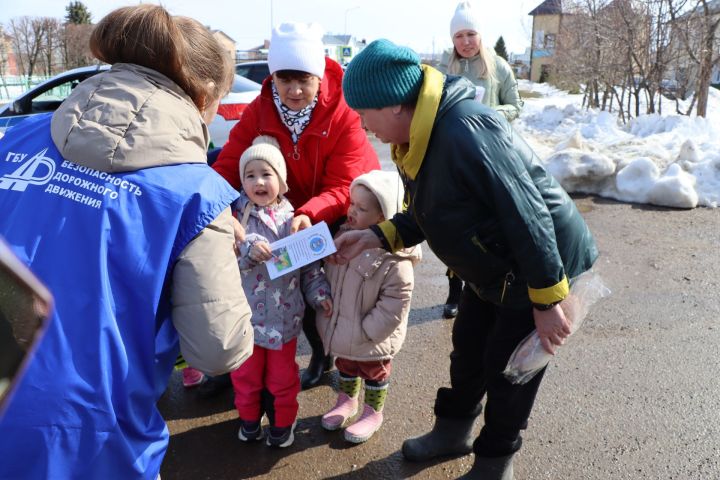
372 296
277 305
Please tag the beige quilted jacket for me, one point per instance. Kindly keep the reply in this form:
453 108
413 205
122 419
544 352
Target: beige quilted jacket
152 122
371 303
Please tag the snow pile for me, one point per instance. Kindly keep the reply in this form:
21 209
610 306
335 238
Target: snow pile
668 160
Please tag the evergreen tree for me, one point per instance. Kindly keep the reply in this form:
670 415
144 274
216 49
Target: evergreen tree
500 48
78 14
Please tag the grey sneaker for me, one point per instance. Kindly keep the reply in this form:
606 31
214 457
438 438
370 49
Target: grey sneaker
281 436
250 431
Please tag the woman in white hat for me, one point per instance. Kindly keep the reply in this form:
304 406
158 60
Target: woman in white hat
322 141
491 74
495 84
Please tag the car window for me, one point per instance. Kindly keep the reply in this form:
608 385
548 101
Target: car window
242 70
242 84
258 73
255 71
58 92
50 99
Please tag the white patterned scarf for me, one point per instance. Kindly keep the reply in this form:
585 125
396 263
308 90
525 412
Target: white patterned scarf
295 121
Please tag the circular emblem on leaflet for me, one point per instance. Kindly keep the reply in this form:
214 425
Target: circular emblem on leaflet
317 244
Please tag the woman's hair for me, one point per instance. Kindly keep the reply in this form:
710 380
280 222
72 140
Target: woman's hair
289 75
178 47
487 62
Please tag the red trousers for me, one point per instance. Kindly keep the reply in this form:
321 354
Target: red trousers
275 371
375 370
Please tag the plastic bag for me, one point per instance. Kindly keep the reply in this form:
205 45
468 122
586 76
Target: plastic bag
530 357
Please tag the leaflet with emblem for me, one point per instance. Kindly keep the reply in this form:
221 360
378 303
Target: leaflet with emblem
300 249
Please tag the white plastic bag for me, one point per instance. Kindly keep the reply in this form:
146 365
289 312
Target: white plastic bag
530 357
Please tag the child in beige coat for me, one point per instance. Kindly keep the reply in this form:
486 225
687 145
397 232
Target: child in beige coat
372 296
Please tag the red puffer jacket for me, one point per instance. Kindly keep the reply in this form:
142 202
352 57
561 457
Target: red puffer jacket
332 150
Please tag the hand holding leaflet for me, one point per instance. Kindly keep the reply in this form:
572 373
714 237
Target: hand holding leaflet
300 249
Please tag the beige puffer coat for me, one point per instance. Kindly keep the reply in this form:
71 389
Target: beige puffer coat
371 304
152 123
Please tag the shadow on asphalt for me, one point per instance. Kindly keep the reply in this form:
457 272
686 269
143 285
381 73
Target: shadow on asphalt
181 403
222 456
393 466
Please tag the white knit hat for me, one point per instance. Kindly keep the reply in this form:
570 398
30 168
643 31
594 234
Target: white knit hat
267 149
297 46
465 18
387 188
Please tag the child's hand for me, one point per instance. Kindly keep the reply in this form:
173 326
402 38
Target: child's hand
326 306
260 252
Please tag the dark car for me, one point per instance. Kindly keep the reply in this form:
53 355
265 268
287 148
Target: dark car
256 71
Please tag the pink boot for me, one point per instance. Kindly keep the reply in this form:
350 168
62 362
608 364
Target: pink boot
345 408
368 423
192 377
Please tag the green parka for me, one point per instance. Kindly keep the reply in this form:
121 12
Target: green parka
486 206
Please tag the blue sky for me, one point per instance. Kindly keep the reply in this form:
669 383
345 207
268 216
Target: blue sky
420 24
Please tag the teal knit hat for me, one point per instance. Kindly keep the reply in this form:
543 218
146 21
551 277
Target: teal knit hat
381 75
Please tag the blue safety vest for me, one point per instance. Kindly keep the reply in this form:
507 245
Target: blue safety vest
105 245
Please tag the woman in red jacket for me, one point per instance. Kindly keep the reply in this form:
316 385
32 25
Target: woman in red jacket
321 138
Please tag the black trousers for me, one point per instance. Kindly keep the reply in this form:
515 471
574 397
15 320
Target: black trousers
311 333
308 323
484 336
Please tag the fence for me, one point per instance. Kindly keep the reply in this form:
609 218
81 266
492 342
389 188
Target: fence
11 86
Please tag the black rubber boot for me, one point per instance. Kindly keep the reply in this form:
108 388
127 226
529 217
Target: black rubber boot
449 436
455 284
319 362
214 386
491 468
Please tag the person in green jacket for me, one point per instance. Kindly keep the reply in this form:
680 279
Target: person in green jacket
490 212
495 85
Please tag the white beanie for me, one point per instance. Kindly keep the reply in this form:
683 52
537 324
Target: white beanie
465 18
297 46
267 149
387 188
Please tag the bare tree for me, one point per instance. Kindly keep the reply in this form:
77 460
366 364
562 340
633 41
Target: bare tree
621 51
28 39
696 27
50 44
75 45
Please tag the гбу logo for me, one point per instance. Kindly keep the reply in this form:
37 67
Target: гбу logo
36 171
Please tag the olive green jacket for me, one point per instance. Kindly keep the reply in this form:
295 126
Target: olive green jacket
483 201
501 91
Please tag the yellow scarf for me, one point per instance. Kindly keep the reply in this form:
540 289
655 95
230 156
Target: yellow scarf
409 157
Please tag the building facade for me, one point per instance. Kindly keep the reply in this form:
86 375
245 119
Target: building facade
547 24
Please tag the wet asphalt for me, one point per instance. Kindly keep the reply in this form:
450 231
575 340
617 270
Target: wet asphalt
632 395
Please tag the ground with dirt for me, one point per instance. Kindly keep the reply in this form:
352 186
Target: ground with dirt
632 395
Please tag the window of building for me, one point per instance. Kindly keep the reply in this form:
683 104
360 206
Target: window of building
550 40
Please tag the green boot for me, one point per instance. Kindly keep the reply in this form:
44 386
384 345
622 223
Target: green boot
449 436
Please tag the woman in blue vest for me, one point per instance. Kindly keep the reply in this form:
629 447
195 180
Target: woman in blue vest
110 202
